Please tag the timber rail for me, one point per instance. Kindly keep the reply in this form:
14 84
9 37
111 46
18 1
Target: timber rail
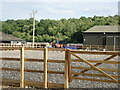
81 47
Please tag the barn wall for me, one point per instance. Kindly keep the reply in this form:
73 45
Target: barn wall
92 39
110 40
100 39
118 41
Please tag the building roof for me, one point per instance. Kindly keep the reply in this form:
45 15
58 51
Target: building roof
7 37
113 29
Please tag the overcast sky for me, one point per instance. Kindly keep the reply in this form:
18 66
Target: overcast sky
57 9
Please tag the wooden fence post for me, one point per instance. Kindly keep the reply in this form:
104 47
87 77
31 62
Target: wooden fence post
66 70
22 68
90 47
114 48
98 48
69 65
45 67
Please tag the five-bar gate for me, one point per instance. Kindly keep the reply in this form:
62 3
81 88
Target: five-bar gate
106 69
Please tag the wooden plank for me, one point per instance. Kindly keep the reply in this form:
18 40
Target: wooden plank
41 84
45 67
42 49
93 75
41 60
98 69
30 70
34 84
9 69
97 61
22 68
97 64
31 83
55 72
56 61
55 85
96 52
56 49
12 82
10 48
106 59
98 80
40 71
10 59
35 60
66 70
92 68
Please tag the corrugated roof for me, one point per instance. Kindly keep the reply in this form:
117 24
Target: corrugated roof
103 29
7 37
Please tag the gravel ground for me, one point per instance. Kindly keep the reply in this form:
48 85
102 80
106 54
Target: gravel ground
55 67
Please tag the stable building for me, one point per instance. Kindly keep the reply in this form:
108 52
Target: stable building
102 35
6 38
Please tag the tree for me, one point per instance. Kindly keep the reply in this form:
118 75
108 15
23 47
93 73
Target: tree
46 30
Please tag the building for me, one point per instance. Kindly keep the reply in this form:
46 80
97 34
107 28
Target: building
39 44
6 38
102 35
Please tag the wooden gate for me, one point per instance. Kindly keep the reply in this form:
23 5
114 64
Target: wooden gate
87 68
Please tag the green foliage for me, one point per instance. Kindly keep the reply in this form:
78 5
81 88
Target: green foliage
65 30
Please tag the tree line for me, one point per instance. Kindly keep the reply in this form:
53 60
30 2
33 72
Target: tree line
46 30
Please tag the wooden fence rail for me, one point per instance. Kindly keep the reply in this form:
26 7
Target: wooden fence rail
83 47
22 59
69 74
